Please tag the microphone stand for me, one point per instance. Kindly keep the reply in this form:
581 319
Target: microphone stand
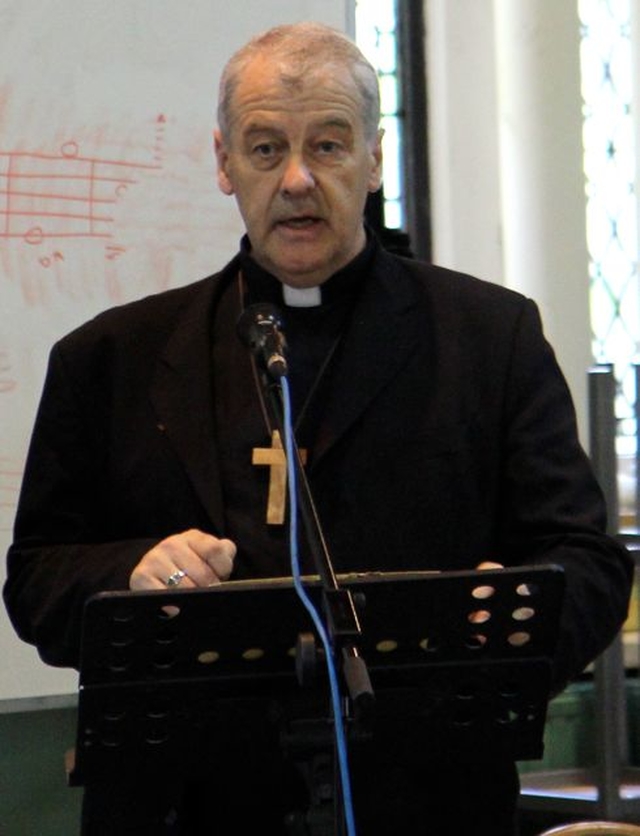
341 618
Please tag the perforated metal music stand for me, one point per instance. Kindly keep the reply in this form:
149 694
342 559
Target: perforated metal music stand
466 655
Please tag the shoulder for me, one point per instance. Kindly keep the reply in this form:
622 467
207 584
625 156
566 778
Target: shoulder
442 283
147 320
466 319
453 298
126 342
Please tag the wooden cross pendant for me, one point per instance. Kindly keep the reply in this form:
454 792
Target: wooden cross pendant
276 459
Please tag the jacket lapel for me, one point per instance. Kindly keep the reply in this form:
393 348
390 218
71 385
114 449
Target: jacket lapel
380 339
181 394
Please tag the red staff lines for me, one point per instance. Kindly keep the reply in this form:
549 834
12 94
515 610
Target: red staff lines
76 191
10 478
7 383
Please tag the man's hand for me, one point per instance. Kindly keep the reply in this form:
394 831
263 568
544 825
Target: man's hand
193 558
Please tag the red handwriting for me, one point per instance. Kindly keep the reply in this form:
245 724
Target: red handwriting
113 251
48 260
10 478
7 384
66 194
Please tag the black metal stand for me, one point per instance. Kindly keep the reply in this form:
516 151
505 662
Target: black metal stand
338 610
463 655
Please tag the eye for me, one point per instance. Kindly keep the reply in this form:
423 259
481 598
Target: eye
264 150
265 154
328 147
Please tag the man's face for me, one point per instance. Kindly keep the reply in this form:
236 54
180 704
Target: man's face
299 165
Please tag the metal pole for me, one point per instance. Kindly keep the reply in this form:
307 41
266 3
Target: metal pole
610 702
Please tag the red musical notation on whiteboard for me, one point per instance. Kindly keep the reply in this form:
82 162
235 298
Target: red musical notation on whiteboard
7 381
63 195
10 479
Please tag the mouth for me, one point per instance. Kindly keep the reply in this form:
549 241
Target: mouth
300 222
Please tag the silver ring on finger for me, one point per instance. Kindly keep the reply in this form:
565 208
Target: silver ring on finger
176 578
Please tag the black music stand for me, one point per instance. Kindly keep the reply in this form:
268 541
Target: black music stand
465 655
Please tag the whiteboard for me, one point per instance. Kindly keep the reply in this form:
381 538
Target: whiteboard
107 191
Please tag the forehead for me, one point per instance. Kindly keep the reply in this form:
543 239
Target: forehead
269 90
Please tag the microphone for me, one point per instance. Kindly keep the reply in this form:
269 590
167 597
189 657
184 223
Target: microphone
260 329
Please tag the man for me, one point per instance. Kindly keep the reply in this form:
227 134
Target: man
438 428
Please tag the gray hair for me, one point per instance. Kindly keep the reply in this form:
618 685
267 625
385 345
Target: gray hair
304 45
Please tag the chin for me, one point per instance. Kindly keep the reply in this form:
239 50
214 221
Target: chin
303 272
304 282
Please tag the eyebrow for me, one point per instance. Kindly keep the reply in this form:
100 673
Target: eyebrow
336 122
259 128
331 122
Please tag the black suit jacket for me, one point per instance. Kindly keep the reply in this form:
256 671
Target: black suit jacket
448 437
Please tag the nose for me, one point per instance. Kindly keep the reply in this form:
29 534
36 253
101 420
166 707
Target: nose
297 177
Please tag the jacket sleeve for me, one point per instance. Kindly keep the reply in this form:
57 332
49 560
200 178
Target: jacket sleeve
555 511
102 482
60 554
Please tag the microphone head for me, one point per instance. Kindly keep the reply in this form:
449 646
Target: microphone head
256 323
260 330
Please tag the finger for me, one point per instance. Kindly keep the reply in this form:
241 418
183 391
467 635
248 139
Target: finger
218 554
181 553
489 564
153 574
209 559
203 558
161 562
141 580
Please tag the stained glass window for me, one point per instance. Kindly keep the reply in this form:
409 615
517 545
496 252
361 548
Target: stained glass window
376 27
609 165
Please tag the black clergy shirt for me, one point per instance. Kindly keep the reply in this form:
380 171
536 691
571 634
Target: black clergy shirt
313 335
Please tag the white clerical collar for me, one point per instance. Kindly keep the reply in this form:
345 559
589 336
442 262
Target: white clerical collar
301 297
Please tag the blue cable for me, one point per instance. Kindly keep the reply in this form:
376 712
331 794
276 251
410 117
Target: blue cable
338 724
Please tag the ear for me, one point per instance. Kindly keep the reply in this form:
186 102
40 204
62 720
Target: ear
375 175
222 156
